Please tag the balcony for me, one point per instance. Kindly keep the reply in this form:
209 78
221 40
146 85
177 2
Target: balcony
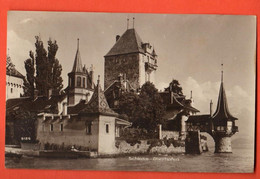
150 67
235 129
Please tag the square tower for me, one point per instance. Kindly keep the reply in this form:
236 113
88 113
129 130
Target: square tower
131 57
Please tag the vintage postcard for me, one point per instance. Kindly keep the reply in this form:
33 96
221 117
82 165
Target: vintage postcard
130 92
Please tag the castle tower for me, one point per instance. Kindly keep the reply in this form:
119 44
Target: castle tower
132 57
224 123
14 80
80 84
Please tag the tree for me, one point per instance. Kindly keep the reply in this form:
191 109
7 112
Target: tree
30 79
128 105
144 111
175 87
20 123
47 69
151 109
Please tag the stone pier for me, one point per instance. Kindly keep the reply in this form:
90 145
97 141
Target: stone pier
223 144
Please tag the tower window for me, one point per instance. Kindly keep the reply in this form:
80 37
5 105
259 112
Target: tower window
51 127
61 127
11 90
84 83
78 81
72 81
88 128
107 128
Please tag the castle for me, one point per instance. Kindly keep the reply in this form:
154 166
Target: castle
86 115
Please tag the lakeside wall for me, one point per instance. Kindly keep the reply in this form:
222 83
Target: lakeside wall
152 146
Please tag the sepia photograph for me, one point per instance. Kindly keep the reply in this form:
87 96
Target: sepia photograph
130 92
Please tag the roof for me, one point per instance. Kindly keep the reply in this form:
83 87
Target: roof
188 105
129 42
40 104
123 85
77 108
175 101
98 104
122 122
11 70
77 66
154 53
199 118
222 112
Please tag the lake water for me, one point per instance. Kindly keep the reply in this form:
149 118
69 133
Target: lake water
240 161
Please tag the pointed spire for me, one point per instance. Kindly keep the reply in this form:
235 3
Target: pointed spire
77 67
98 80
222 73
127 23
78 44
222 112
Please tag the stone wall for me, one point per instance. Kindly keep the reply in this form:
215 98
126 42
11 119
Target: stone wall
73 133
170 134
153 146
126 64
14 87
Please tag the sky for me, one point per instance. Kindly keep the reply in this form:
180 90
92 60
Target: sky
190 48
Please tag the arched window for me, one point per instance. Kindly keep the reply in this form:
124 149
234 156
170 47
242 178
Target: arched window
78 81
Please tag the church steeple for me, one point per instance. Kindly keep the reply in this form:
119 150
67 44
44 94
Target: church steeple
222 113
77 67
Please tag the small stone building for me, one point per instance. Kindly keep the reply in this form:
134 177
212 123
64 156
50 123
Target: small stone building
94 126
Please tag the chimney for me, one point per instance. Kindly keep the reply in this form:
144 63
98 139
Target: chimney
117 37
49 93
210 107
120 77
64 110
171 97
35 94
91 74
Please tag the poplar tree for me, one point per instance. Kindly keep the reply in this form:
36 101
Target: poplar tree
43 70
30 79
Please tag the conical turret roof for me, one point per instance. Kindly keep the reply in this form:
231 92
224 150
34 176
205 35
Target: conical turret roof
222 112
77 66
